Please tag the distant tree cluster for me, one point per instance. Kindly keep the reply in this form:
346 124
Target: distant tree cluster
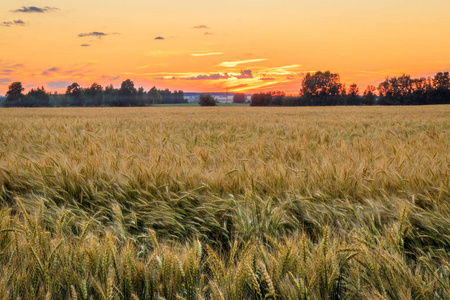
95 95
405 90
35 98
175 97
267 99
325 89
239 98
207 100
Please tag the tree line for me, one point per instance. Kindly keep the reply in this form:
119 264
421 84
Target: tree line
325 88
317 89
95 95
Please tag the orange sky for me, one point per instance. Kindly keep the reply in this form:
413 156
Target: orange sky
204 45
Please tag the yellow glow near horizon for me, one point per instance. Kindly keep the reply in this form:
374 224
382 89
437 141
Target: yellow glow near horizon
208 46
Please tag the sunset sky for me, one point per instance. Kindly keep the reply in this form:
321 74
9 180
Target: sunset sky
207 46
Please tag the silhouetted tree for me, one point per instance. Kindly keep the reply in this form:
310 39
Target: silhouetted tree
141 97
321 84
277 98
322 88
369 95
14 95
127 94
239 98
155 96
179 97
74 93
353 97
440 91
405 90
169 97
441 80
418 93
440 95
353 90
207 100
393 90
292 101
36 98
261 99
94 95
110 96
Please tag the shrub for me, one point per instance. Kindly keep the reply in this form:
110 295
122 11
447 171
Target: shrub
207 100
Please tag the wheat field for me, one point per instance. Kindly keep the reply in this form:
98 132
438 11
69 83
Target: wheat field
225 203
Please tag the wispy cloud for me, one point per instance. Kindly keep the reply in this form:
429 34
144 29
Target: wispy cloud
284 70
97 34
6 72
284 67
290 72
16 66
13 23
207 54
159 38
166 78
208 33
35 9
54 75
214 76
201 27
382 72
267 78
49 71
230 64
255 86
244 74
110 78
5 81
10 69
238 86
78 71
85 45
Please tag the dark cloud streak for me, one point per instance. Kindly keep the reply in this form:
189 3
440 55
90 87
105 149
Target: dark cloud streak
245 74
94 34
110 78
9 69
35 9
5 80
13 23
49 71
